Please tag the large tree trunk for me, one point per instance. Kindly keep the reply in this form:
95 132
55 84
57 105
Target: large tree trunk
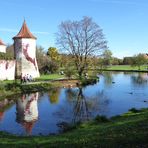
80 72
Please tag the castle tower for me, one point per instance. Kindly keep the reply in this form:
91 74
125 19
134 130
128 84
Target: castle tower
25 53
2 46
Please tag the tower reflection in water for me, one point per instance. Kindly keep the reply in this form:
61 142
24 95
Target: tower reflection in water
27 111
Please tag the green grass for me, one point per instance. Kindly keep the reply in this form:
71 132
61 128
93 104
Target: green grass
8 87
50 77
126 67
129 130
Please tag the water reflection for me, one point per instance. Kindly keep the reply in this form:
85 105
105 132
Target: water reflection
108 79
27 111
5 105
84 105
81 112
139 79
1 115
54 95
70 105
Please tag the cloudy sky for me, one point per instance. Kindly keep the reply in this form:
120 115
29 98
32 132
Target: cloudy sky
124 22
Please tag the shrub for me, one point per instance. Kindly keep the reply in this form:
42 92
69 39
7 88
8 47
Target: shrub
85 82
13 87
69 72
101 119
134 110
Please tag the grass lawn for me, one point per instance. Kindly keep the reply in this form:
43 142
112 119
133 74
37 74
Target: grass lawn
50 77
126 67
4 91
127 131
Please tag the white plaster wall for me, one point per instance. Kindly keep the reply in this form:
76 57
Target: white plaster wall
10 71
26 53
31 48
2 69
7 70
3 48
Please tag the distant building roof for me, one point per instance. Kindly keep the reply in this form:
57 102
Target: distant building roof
24 32
1 42
146 55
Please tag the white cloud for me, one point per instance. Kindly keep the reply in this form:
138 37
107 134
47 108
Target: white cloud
15 31
7 30
41 32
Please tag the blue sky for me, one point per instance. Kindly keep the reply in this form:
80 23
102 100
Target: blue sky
124 22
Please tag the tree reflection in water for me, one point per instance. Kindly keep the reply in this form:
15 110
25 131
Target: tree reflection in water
86 106
5 104
27 111
78 108
139 79
108 78
54 95
81 112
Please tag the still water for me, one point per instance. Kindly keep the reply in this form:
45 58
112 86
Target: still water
45 113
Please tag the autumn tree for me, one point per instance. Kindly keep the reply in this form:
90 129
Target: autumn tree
53 54
81 39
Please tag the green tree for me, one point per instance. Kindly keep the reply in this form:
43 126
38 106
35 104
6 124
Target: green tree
42 59
53 54
139 60
107 56
127 60
117 61
69 72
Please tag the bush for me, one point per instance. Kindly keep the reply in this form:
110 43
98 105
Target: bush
85 82
69 72
2 87
12 87
134 110
101 119
67 126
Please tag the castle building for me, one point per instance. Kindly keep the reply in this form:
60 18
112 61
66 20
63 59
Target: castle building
7 67
2 46
25 62
25 53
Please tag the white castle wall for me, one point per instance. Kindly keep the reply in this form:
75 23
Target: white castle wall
26 55
7 70
3 48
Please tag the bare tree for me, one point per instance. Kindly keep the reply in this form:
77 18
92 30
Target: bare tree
81 39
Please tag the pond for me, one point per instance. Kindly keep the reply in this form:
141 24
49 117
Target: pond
47 113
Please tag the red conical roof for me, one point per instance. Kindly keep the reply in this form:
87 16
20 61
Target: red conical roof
24 32
1 42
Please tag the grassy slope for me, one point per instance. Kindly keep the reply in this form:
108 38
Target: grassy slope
130 130
50 77
8 92
125 67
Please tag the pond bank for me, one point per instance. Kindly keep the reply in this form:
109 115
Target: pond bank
127 130
118 70
10 89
